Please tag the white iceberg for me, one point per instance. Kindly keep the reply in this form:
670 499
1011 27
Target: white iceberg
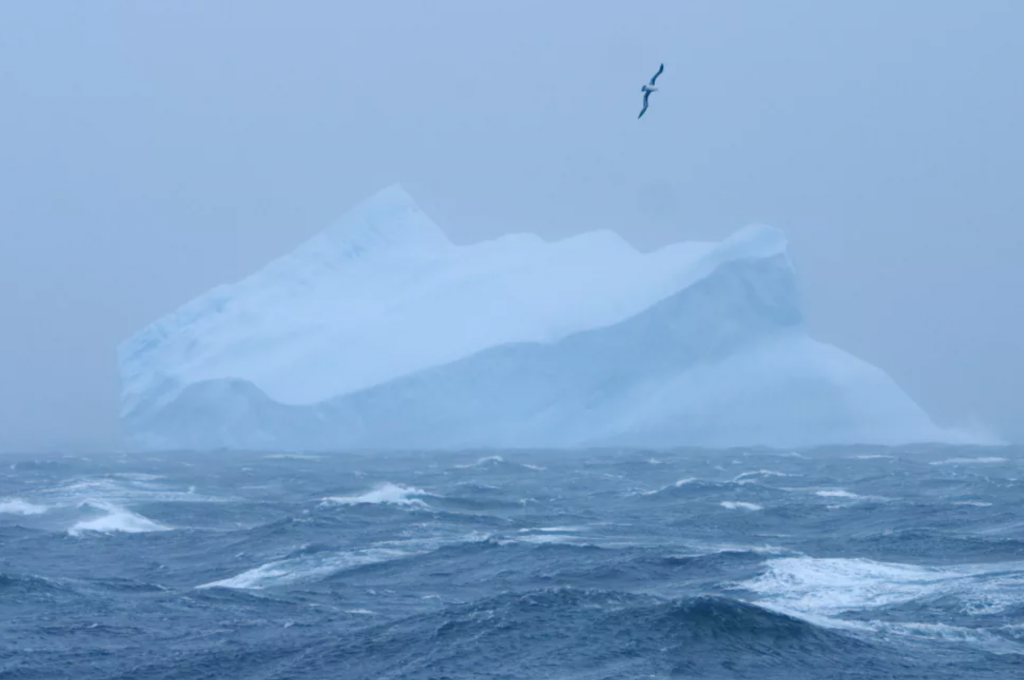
379 332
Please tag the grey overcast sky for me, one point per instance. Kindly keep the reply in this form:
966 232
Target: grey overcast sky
151 150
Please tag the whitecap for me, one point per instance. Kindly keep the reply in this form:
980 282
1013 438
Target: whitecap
116 519
740 505
17 506
320 565
542 539
836 493
969 461
128 488
556 530
283 572
384 494
488 460
744 478
982 639
832 586
676 485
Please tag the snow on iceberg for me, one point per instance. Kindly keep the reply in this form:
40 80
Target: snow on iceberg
379 332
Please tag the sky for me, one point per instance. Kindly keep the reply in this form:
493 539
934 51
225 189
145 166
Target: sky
150 151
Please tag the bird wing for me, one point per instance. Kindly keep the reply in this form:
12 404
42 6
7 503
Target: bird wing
660 69
646 94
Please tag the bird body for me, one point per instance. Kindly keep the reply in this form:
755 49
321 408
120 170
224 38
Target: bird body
649 88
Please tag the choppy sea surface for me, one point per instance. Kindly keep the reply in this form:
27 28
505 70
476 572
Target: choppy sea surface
833 563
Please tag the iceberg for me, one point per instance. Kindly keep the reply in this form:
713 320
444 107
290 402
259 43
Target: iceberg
379 332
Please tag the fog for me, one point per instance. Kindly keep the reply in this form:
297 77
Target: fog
150 151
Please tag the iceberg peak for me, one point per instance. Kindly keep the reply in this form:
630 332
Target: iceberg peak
756 240
389 220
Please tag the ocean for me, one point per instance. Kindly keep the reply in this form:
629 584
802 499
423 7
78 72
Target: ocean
856 562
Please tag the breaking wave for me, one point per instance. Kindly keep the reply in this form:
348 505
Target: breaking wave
384 494
115 520
986 460
17 506
825 590
740 505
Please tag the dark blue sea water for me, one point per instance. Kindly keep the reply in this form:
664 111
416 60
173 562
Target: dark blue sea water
841 563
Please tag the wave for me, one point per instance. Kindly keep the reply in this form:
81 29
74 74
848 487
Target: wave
475 487
837 493
740 505
745 477
716 560
986 640
17 506
317 563
732 491
983 460
493 462
384 494
832 586
552 535
115 520
126 585
824 590
139 476
483 506
120 488
569 632
28 585
915 544
482 462
305 568
541 553
696 483
556 530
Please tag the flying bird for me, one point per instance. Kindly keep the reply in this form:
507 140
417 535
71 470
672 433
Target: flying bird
649 88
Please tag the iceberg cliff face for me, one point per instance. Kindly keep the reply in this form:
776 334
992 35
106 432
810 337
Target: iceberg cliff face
381 333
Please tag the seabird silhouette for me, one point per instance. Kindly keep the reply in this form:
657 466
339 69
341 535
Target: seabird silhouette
648 89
